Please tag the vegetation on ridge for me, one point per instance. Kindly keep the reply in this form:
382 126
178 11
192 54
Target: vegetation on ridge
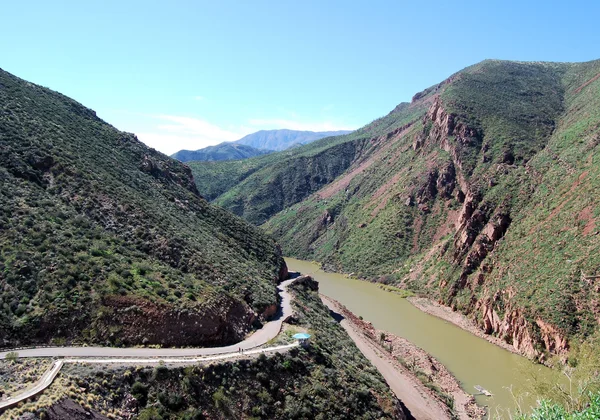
94 223
259 187
223 151
480 193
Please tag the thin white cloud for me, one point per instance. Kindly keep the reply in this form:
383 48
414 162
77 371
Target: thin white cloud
169 144
196 126
199 98
186 133
171 133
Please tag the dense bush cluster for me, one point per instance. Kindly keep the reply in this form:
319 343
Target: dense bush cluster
548 410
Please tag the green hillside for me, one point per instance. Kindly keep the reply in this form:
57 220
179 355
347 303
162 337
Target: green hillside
482 193
259 187
260 143
223 151
103 240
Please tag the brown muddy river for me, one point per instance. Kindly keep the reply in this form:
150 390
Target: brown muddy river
472 360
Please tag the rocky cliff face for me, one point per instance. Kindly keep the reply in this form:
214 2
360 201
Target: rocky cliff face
479 226
128 320
292 181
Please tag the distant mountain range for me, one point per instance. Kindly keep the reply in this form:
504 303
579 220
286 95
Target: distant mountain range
278 140
255 144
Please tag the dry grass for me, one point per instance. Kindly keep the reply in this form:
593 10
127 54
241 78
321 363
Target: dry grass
17 376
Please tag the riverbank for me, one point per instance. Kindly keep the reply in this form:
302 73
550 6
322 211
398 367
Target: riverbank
471 359
447 314
421 382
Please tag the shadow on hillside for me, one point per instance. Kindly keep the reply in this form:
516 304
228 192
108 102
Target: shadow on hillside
338 317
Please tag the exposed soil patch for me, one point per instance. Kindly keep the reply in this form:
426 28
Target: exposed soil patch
417 226
342 183
449 226
586 215
592 80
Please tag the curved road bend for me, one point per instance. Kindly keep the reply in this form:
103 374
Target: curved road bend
51 373
42 384
269 331
187 360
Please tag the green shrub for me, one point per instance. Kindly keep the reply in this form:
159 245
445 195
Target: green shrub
140 393
12 356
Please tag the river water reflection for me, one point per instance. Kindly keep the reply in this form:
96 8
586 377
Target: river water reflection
471 359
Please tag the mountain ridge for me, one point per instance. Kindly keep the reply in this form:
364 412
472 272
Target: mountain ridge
255 144
458 196
282 139
221 151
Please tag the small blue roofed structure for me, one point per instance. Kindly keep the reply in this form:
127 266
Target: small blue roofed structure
302 338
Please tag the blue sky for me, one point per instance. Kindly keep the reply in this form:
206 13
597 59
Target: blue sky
187 74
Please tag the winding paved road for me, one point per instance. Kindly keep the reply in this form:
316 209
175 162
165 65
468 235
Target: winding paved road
187 360
269 331
42 384
46 380
134 355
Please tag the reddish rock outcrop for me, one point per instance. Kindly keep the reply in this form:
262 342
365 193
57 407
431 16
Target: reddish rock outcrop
269 312
446 181
553 339
478 228
67 409
131 320
513 328
451 135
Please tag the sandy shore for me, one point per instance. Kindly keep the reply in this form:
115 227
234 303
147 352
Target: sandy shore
458 319
403 378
